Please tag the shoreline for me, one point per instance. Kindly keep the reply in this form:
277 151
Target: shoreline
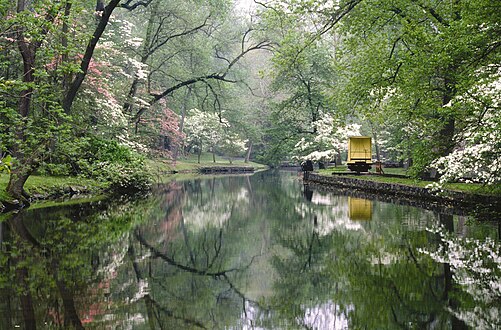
70 190
445 201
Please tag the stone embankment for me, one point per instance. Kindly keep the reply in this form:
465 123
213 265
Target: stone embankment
411 195
225 169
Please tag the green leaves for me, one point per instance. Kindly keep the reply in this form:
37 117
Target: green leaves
5 164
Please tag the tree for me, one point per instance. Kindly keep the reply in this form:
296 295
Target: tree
44 33
327 143
195 46
403 64
301 79
211 132
478 152
413 59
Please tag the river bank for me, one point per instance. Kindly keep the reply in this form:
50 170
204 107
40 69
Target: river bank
413 194
42 188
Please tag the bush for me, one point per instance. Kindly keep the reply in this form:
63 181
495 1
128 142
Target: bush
124 178
100 159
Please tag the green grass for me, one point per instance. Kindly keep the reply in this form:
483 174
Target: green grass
160 168
344 168
189 163
46 184
475 188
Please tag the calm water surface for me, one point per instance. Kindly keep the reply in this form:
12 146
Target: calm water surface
248 252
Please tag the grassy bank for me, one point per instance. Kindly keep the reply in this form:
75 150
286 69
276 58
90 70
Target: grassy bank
475 188
189 164
48 185
161 170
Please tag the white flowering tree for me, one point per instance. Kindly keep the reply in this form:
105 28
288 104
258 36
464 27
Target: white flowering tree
477 156
232 146
330 140
211 132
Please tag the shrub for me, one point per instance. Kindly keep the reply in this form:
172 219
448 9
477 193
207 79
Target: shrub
104 160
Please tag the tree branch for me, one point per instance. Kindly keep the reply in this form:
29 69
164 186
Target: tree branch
87 57
129 5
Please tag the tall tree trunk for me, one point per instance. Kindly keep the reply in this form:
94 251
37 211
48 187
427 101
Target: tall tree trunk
249 150
28 53
446 134
181 125
21 170
66 80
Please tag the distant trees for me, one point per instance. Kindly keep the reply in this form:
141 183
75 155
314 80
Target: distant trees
302 77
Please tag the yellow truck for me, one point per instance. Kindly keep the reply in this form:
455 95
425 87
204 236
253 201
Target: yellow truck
359 153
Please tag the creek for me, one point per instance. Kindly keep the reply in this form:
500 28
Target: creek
259 251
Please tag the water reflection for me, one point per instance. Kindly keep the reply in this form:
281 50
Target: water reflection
248 252
360 209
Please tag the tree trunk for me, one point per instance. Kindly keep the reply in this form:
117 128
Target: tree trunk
22 170
28 53
446 134
129 103
66 79
376 145
213 156
18 177
338 159
249 150
181 126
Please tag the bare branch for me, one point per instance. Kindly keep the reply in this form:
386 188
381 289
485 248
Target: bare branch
180 34
131 5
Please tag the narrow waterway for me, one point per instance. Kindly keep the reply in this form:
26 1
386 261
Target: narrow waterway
248 252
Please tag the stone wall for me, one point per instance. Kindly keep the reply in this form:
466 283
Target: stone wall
225 169
446 198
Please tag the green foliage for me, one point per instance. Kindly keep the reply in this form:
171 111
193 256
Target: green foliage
424 74
128 177
108 161
104 160
5 164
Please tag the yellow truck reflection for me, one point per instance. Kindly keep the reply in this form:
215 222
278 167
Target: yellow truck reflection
359 209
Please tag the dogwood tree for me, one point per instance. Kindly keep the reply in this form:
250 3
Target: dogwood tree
329 141
36 35
211 132
477 157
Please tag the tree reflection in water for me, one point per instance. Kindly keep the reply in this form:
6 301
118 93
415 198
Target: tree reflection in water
257 251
